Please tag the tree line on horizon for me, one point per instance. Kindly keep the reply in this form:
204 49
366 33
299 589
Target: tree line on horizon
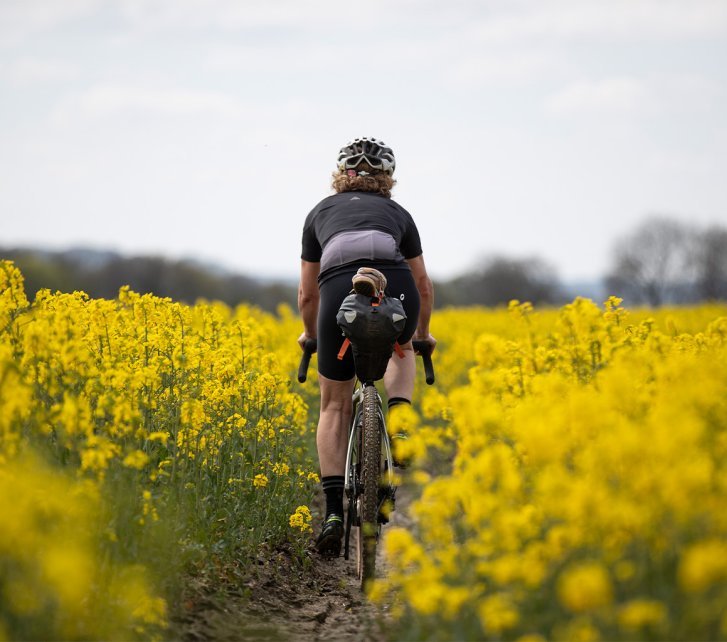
662 261
665 261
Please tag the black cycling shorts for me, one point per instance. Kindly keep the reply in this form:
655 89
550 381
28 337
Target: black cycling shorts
400 283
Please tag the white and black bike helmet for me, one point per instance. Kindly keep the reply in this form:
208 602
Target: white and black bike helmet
367 150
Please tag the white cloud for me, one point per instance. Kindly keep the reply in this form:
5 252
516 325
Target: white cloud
262 58
693 93
491 22
612 95
29 70
455 57
21 18
231 15
499 66
113 99
680 164
660 93
632 19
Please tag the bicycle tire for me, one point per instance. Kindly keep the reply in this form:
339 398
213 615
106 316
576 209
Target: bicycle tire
370 459
352 484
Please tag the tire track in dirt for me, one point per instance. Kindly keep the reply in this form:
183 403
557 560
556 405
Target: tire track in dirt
337 609
320 600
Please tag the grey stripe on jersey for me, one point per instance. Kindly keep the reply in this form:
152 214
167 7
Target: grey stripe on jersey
356 245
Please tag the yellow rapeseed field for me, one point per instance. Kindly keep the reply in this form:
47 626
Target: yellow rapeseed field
569 467
138 436
584 493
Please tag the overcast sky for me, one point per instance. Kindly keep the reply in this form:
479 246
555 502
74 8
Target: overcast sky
209 129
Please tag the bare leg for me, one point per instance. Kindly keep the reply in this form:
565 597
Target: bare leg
400 373
332 435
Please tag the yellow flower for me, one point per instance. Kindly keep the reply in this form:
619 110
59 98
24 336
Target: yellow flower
638 614
703 565
301 520
97 456
260 480
281 468
585 587
136 459
497 614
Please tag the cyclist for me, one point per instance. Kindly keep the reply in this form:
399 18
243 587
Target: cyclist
358 234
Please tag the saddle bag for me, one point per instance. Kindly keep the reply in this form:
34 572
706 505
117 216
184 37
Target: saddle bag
372 327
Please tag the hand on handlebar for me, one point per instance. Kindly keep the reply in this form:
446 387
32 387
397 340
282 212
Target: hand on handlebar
424 348
428 338
309 346
302 340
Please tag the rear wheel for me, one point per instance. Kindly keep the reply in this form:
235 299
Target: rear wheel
368 501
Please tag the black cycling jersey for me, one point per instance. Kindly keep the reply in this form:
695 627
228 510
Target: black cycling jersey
359 225
351 230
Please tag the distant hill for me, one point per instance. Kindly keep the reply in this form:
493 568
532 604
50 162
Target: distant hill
100 273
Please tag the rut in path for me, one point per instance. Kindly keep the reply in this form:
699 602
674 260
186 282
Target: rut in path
323 602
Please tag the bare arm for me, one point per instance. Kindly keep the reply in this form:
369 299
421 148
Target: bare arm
308 298
426 295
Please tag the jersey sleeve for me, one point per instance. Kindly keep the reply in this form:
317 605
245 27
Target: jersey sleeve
311 247
411 245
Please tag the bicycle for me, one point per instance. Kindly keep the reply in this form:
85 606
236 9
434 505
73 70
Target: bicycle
369 478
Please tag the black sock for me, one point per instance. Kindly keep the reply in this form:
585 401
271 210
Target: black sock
395 401
333 488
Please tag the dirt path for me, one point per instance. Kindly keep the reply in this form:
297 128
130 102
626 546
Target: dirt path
283 600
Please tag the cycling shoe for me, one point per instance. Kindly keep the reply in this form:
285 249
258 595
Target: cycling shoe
328 543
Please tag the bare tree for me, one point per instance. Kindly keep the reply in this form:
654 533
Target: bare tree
710 262
499 279
655 263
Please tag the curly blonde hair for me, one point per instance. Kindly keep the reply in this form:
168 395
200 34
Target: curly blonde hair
376 182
